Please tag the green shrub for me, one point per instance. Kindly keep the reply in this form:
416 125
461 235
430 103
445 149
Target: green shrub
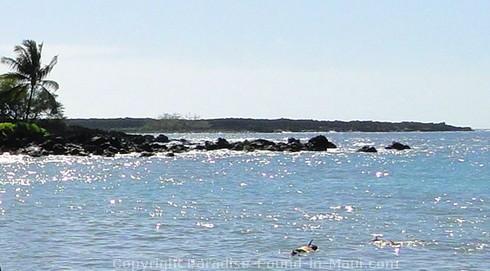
7 129
21 130
30 128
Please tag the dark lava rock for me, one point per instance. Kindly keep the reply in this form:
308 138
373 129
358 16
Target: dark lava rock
260 144
142 139
221 143
367 149
162 139
33 150
398 146
76 140
319 143
208 145
178 148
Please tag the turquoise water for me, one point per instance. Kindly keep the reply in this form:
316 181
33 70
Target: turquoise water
227 210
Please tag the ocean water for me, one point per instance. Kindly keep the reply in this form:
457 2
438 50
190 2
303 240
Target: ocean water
226 210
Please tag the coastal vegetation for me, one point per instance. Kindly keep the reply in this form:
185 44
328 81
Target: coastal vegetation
15 132
25 93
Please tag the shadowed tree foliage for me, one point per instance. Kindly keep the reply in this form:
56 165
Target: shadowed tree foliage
25 92
12 96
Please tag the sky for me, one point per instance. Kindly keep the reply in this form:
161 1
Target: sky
383 60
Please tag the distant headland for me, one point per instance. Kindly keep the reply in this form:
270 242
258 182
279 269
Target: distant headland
175 125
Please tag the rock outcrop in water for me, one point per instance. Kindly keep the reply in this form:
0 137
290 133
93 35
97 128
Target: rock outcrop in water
81 141
397 146
320 143
367 149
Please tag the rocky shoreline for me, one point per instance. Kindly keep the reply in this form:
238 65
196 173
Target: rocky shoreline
79 141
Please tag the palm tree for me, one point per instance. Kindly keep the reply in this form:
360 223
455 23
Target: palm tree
29 72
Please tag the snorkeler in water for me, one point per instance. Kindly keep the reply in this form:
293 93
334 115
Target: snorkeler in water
305 249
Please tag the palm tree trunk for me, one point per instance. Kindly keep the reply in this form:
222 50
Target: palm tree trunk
28 109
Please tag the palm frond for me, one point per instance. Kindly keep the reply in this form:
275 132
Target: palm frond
23 64
50 84
15 93
15 76
32 49
48 94
35 52
12 63
47 69
21 51
28 57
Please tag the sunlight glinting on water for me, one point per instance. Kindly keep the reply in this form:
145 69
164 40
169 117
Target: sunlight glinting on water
431 199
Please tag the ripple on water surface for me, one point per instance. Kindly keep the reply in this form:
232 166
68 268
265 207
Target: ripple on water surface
92 213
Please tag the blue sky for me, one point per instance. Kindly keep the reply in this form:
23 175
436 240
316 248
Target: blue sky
331 60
